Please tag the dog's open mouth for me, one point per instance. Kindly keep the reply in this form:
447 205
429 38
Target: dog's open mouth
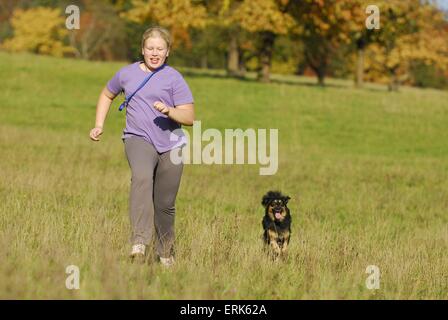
278 214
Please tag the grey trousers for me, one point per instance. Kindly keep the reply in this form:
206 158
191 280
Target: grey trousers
154 184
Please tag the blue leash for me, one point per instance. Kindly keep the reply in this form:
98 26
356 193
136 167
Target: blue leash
126 100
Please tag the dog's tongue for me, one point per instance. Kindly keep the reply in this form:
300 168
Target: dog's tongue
278 215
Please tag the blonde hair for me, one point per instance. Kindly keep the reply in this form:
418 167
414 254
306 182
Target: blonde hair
157 31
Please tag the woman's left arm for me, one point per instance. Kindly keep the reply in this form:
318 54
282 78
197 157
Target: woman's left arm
183 114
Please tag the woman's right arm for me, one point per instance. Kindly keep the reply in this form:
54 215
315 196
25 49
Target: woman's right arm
102 108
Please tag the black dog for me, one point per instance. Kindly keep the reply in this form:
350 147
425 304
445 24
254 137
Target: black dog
276 223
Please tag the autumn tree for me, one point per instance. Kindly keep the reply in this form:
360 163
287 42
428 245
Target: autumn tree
362 32
39 30
249 25
176 15
6 10
220 16
266 19
410 31
102 33
324 29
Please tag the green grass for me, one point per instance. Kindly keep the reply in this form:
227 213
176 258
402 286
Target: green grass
366 171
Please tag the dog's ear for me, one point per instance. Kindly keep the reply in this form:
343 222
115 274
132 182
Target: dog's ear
286 199
265 201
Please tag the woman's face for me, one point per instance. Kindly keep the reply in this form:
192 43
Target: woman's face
155 52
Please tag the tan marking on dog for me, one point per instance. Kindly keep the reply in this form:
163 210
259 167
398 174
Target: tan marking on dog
273 236
284 249
271 214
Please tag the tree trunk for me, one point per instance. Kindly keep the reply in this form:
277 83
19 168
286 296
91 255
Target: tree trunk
204 61
233 55
360 68
242 65
321 76
265 57
359 78
317 61
320 70
72 39
393 85
394 82
300 68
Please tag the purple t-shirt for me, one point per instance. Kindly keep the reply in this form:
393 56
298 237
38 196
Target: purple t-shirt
142 119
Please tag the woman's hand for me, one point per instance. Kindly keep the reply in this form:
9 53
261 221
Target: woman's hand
161 107
182 114
95 133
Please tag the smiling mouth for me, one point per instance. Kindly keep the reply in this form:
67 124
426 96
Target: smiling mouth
154 60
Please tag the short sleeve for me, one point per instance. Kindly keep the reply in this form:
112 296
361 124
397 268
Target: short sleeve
181 92
114 85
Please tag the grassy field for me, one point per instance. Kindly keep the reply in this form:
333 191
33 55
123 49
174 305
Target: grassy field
367 172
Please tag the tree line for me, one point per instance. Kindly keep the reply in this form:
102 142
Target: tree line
409 44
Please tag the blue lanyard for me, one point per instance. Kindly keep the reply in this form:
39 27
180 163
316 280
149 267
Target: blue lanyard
126 100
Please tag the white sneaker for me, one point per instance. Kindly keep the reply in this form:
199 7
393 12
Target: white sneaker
138 250
167 262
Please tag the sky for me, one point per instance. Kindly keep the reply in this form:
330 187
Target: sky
443 4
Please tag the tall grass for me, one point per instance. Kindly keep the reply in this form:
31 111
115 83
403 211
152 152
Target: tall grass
366 171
